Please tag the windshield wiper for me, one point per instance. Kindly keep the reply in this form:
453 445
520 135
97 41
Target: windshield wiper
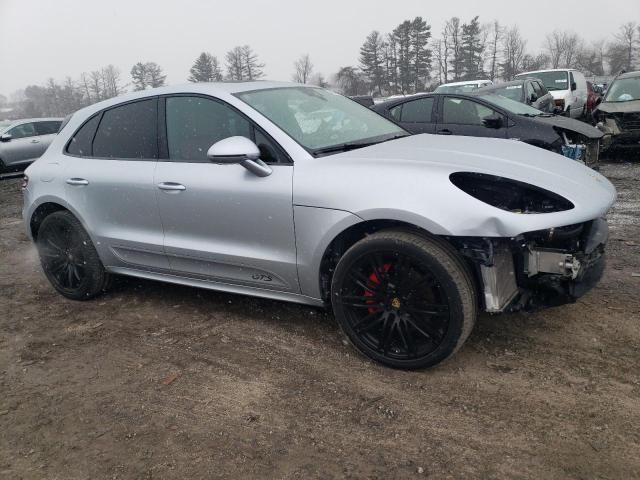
345 147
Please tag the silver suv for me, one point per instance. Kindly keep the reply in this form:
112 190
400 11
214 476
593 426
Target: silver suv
296 193
22 141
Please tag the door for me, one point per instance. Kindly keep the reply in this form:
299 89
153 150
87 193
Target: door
47 131
221 222
545 99
416 115
24 146
109 170
462 116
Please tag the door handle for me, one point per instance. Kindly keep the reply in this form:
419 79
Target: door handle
171 187
444 131
77 181
35 140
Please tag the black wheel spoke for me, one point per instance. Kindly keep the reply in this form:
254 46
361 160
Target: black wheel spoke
366 323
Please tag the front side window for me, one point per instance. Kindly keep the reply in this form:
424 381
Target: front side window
320 120
417 111
128 131
196 123
23 131
48 128
464 112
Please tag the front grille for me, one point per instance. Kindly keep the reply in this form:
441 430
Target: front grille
630 121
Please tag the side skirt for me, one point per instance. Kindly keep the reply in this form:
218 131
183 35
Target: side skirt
219 286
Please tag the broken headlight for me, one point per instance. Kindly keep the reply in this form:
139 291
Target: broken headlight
510 195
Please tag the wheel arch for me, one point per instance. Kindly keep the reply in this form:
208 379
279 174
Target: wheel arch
41 212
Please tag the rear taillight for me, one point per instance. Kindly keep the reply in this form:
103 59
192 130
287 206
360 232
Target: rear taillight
25 182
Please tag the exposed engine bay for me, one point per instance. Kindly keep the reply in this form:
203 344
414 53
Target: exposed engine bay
537 269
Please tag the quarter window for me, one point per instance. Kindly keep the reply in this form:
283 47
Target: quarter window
128 131
80 143
417 111
23 131
464 112
196 123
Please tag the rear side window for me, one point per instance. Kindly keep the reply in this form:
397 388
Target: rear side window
417 111
47 128
80 143
128 131
196 123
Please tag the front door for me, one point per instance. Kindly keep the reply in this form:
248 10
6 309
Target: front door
462 116
221 222
24 146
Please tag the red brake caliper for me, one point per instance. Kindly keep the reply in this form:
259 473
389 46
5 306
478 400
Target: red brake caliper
374 281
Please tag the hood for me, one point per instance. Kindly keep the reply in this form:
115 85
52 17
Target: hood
411 174
619 107
569 124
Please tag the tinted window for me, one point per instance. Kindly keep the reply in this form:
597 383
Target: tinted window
461 111
23 131
417 110
539 89
396 112
80 144
196 123
128 131
47 128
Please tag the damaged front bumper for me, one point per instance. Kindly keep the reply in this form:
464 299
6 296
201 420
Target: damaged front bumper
538 269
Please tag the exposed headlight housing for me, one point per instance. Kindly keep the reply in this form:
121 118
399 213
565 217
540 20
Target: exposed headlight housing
559 103
510 195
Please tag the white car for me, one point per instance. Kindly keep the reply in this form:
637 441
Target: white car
568 87
468 86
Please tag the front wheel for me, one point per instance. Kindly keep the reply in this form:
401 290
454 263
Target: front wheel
403 299
69 259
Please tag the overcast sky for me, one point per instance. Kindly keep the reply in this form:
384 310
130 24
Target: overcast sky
55 38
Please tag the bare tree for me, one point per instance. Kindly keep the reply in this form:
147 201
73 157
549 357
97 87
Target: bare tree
303 69
628 39
454 34
234 63
513 46
252 67
495 39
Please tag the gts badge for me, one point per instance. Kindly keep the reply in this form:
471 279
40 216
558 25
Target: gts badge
263 277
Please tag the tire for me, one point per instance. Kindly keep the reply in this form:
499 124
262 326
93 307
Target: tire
404 300
68 258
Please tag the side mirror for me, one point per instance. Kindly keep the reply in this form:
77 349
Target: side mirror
493 121
574 86
5 137
239 150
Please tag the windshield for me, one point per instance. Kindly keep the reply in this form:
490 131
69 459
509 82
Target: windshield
318 119
510 105
470 87
514 92
4 125
624 90
551 80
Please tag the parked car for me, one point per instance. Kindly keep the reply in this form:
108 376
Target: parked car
619 111
594 97
530 91
405 237
22 141
487 114
462 87
568 88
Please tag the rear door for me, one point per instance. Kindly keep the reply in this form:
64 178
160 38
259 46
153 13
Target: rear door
417 116
221 222
24 146
109 171
463 116
47 131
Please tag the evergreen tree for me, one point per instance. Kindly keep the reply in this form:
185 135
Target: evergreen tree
471 50
372 61
205 69
139 76
155 77
419 36
252 67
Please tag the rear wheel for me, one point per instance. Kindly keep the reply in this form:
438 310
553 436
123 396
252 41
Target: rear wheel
69 259
404 300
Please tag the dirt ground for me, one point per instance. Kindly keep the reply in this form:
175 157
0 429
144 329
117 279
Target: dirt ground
161 381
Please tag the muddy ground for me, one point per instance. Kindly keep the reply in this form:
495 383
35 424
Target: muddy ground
161 381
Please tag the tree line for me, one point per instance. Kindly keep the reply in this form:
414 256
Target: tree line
406 60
